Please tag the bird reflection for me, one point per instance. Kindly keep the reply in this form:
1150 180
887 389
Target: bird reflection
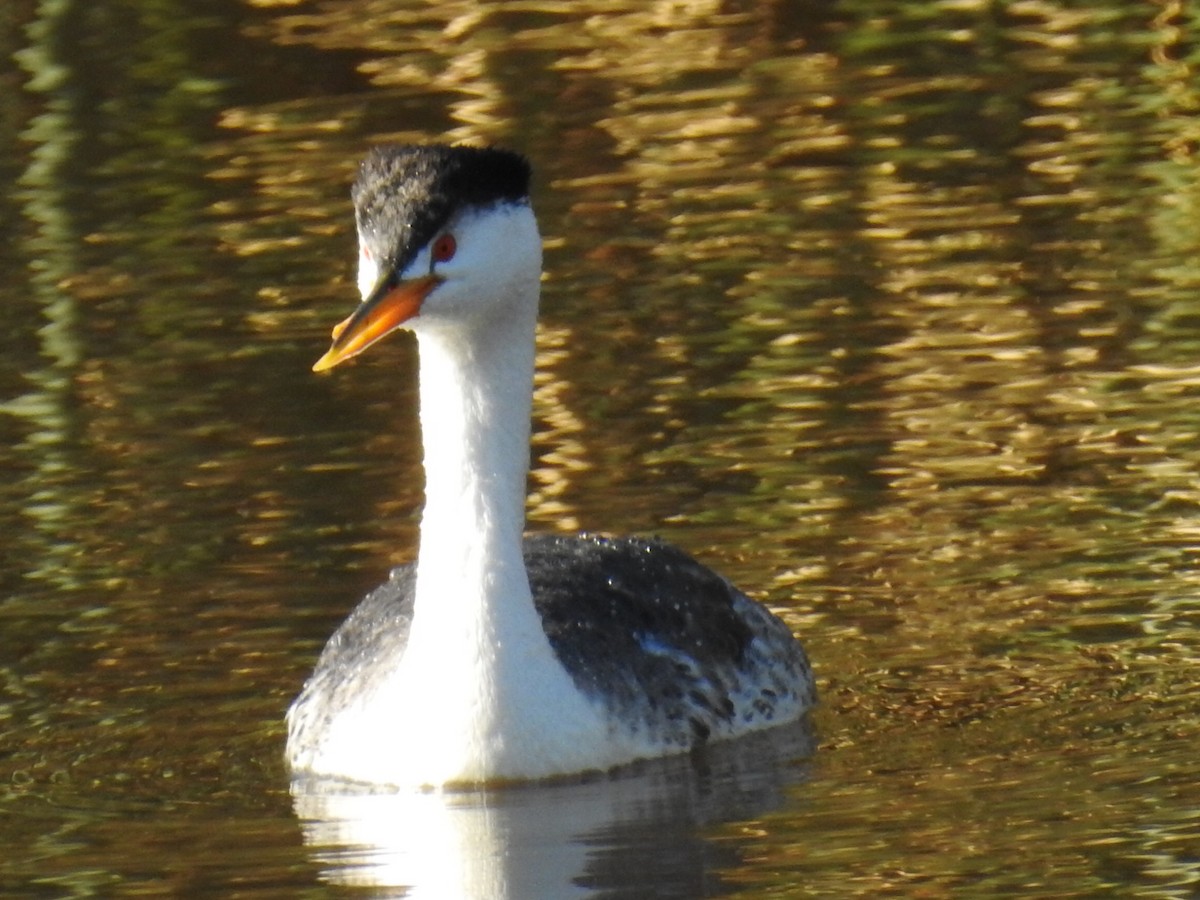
640 830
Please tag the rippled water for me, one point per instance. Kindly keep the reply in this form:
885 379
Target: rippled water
887 310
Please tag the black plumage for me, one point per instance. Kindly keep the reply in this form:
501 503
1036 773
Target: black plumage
406 194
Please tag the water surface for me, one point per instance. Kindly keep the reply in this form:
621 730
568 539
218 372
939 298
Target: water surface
888 311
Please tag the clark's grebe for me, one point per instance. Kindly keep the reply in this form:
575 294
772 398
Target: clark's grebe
497 657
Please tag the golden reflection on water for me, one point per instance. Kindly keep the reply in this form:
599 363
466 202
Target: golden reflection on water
888 312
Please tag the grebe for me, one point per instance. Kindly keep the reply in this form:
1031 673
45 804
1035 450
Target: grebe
497 657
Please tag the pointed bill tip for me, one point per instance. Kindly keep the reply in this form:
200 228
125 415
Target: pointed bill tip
325 363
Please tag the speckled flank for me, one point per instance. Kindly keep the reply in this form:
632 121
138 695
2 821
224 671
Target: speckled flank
356 659
671 649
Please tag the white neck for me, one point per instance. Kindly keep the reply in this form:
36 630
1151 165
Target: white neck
494 702
476 389
476 356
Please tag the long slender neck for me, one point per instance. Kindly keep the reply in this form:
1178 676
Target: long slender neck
476 388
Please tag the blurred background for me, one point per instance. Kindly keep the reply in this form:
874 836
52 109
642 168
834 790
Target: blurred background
886 310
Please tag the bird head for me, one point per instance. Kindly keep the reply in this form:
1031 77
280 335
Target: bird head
447 238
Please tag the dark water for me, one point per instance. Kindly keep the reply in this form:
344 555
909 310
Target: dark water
887 310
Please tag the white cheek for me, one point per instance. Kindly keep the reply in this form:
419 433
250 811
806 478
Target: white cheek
368 272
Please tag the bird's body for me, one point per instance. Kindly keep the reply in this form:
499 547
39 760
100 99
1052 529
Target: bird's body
495 657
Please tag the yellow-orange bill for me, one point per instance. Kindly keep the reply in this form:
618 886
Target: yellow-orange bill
377 316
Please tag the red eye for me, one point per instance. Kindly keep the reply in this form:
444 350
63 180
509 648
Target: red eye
444 247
